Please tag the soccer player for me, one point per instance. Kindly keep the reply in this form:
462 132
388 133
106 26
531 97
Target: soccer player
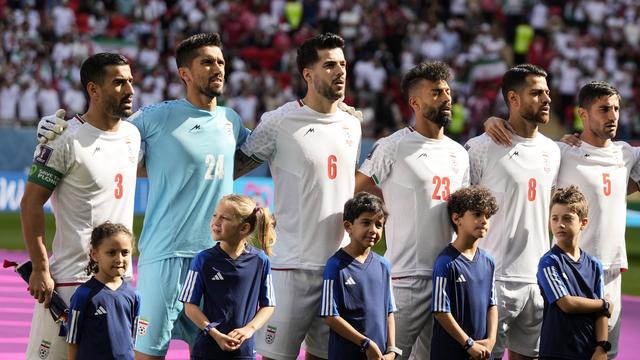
603 169
189 147
417 168
90 173
464 299
311 145
521 178
571 280
232 280
357 301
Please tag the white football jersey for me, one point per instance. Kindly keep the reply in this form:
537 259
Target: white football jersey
95 172
312 157
416 175
602 174
521 177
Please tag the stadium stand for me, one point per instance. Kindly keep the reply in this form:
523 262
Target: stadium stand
43 42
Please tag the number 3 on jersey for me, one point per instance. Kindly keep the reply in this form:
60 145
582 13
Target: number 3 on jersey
119 190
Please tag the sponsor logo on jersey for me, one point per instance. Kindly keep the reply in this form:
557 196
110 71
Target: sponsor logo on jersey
217 276
97 149
44 153
43 350
515 153
461 279
195 127
311 129
424 155
100 311
142 327
270 335
350 281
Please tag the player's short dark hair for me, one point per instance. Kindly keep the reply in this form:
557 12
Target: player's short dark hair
363 202
573 198
593 91
473 198
308 51
427 70
516 77
188 49
100 233
93 67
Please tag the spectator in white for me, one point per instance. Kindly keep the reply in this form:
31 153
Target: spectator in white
27 104
48 99
9 93
432 47
149 95
246 104
74 100
377 78
62 51
149 56
349 20
64 20
538 17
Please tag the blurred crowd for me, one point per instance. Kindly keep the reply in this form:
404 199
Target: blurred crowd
44 41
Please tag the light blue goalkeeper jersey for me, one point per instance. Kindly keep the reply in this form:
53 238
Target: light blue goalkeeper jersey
189 159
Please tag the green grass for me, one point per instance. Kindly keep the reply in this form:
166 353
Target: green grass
11 238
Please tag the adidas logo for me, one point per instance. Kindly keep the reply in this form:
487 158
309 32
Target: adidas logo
217 276
350 281
461 279
100 311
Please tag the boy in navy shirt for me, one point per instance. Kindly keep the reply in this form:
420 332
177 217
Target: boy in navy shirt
575 312
357 299
464 301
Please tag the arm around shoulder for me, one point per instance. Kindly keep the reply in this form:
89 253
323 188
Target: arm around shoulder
366 183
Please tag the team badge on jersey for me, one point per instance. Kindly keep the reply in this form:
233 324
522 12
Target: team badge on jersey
546 162
347 135
454 162
44 153
142 327
130 151
229 127
43 351
270 336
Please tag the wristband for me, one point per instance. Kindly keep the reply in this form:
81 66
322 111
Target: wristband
394 349
468 344
364 345
208 328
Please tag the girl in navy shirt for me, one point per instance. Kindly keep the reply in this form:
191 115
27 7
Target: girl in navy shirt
103 316
234 279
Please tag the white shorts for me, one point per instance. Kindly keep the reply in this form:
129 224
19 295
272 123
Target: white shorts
520 312
414 321
45 341
295 318
613 288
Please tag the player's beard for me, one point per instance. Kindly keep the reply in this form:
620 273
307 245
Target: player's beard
325 89
437 115
536 117
116 107
602 133
209 90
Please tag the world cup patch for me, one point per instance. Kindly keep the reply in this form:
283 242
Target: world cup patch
270 337
142 327
43 350
44 153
